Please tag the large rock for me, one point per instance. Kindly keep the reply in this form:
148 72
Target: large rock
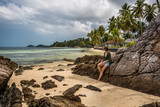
11 97
88 59
48 84
137 67
55 101
6 70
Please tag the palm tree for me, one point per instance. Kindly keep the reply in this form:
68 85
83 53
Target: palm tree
158 5
138 11
150 12
112 23
115 35
125 7
101 31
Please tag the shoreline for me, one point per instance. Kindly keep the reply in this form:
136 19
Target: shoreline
111 96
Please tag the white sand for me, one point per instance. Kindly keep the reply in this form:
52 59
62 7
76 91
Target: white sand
111 96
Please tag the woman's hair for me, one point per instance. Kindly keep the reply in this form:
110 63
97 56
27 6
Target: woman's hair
106 48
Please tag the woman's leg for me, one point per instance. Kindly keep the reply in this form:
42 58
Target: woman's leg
99 66
101 72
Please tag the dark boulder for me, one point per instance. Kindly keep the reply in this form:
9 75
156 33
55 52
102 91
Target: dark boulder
11 97
90 87
55 101
58 78
69 60
60 70
6 70
72 90
41 69
136 67
88 59
36 86
27 82
45 77
48 84
154 104
28 96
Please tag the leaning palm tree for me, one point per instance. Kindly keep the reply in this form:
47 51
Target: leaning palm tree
150 12
138 11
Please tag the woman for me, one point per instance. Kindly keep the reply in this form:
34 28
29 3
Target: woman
104 63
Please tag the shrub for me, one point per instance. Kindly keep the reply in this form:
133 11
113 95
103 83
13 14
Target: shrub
129 44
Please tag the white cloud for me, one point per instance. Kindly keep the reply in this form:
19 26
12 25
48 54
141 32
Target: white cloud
43 31
67 17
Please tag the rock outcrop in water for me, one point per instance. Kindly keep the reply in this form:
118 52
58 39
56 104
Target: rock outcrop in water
137 67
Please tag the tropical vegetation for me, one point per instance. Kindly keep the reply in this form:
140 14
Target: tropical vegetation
129 24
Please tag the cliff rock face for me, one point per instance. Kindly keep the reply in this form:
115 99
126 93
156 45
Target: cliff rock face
137 67
6 70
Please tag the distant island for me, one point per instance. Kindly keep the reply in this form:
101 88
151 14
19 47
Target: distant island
80 42
38 46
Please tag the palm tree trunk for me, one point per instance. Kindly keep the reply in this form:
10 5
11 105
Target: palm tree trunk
158 5
140 25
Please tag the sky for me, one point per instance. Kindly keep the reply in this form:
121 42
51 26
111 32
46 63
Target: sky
25 22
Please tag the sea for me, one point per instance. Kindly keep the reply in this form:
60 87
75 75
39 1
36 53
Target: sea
36 55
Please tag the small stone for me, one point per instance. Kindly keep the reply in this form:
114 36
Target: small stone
45 77
60 65
47 94
58 78
93 88
81 95
41 69
65 84
60 70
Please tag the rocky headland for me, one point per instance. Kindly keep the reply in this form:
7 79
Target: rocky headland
137 67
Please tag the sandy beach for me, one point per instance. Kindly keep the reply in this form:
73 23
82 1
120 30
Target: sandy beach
111 96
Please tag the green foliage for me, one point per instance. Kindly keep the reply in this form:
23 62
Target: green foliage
130 44
81 42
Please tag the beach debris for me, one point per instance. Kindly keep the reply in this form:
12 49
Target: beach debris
41 69
60 65
28 96
58 78
27 82
35 85
72 90
48 84
65 84
69 60
91 87
45 77
81 95
154 104
70 64
60 70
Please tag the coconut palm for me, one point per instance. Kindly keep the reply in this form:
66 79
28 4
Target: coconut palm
150 12
112 24
158 5
138 11
125 7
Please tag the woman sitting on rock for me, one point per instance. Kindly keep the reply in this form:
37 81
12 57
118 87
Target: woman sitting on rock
104 63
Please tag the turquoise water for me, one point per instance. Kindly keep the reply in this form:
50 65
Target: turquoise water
29 56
